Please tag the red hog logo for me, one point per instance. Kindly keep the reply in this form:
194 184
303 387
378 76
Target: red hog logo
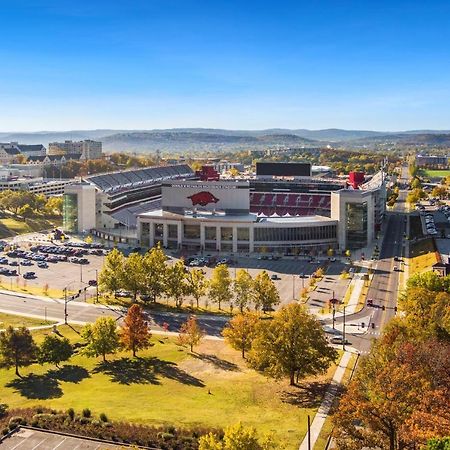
203 198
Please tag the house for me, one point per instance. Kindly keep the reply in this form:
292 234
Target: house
8 153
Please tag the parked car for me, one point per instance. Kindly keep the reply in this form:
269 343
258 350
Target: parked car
92 282
42 265
29 275
275 277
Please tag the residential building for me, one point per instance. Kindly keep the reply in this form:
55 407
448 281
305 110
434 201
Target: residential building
87 149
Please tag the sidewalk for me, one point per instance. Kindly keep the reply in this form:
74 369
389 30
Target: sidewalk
324 408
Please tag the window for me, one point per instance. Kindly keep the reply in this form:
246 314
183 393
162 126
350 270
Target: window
159 230
173 231
210 234
356 225
243 234
70 213
191 231
226 233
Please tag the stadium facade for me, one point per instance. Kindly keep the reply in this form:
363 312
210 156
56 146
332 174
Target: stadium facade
282 209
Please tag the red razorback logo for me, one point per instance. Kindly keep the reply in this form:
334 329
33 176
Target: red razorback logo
203 198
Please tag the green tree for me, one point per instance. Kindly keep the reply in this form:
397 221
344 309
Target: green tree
135 334
133 276
266 294
54 350
438 444
190 333
101 337
241 330
155 272
17 348
177 286
243 289
111 275
220 285
292 344
197 284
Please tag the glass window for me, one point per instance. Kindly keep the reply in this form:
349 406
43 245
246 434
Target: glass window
356 225
210 234
173 231
243 234
226 233
159 230
70 213
192 231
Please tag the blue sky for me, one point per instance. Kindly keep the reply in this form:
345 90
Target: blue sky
139 64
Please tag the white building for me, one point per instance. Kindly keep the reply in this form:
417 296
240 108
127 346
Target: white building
87 149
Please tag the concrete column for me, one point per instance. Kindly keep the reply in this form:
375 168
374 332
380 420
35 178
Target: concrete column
234 239
151 235
218 240
202 236
165 234
251 239
180 234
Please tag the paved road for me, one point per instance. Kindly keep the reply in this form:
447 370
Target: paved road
82 313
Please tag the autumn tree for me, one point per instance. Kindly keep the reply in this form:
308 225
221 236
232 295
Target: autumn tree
54 350
111 275
220 285
190 333
237 437
17 348
265 293
176 283
243 289
197 284
101 337
155 272
135 334
292 344
241 330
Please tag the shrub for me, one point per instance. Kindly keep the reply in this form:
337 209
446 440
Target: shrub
15 421
71 413
103 417
86 412
3 409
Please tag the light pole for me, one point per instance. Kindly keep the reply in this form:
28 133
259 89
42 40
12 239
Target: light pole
343 333
96 286
293 286
81 273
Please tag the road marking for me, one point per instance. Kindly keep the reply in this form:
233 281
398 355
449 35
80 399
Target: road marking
62 442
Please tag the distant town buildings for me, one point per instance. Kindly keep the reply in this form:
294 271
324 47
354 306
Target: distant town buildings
86 149
432 161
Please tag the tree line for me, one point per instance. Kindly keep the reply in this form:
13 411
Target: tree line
151 277
398 399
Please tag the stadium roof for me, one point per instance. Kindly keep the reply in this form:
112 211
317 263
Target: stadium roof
128 179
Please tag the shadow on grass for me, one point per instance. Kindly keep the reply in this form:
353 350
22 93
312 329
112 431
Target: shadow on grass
217 362
309 395
41 387
69 373
145 371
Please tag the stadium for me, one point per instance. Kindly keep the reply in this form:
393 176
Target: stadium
280 209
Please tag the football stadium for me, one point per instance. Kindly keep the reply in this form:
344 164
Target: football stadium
281 208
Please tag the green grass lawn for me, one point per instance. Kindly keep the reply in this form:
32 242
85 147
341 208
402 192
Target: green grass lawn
12 227
168 385
435 173
7 320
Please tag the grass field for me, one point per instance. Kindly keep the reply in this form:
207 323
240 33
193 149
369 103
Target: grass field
168 385
12 227
435 173
422 256
7 320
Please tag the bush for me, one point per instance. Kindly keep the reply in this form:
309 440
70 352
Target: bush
3 409
15 421
103 417
86 412
71 413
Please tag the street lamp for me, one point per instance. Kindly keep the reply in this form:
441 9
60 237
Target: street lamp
333 301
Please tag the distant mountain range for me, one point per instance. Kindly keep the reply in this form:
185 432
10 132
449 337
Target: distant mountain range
201 139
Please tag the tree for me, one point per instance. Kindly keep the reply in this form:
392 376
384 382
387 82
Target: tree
237 437
438 444
111 275
190 333
155 272
292 344
243 289
54 350
101 337
220 285
241 330
440 192
135 334
197 284
177 286
266 294
17 348
133 276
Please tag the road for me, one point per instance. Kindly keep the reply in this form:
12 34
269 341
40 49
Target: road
79 313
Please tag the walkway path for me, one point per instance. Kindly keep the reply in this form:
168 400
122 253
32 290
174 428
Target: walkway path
324 408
